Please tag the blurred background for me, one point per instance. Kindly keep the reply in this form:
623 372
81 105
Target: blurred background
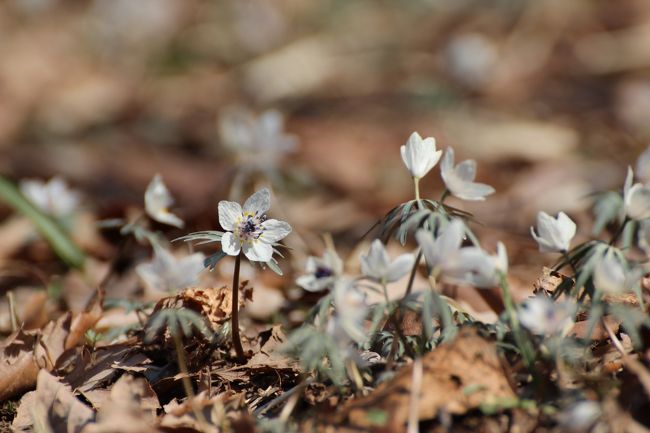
551 97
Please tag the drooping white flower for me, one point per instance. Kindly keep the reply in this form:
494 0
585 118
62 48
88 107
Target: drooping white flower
157 201
442 253
542 316
321 272
481 269
166 273
350 311
459 180
53 197
611 276
636 198
643 166
376 264
420 155
259 142
248 228
553 234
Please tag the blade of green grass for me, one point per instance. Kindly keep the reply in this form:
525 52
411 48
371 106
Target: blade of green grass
55 236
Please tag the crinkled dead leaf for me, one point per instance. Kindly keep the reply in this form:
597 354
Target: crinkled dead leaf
53 405
183 416
456 377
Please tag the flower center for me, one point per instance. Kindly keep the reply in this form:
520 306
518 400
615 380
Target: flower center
323 272
250 227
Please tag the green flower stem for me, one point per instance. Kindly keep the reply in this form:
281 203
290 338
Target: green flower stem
416 182
53 234
234 317
525 348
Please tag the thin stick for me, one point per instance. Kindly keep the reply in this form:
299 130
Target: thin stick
12 311
414 401
234 318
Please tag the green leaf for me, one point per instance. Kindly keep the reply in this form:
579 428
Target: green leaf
51 231
211 261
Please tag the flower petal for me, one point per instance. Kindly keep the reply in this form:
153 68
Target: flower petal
229 213
230 244
259 202
400 267
274 230
466 170
258 251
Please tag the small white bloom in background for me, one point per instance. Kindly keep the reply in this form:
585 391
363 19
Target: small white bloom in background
53 197
248 228
257 141
472 59
157 201
376 264
542 316
442 253
350 311
580 417
321 272
166 273
481 269
420 155
459 180
611 276
643 166
553 234
636 198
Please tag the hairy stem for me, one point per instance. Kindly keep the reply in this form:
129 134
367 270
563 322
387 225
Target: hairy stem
234 318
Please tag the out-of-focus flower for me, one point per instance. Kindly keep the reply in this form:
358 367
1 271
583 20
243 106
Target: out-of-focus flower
542 316
643 166
442 253
157 201
553 234
481 269
580 417
636 198
259 142
611 276
321 272
249 229
459 180
644 236
376 264
53 197
350 308
166 273
420 155
472 58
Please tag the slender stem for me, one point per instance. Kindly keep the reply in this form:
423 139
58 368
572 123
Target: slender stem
511 312
444 196
12 311
620 231
416 182
234 318
409 287
565 254
185 379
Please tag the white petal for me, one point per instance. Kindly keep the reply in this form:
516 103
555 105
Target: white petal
375 263
629 180
274 230
400 267
466 170
157 199
447 164
230 244
229 213
259 202
471 191
258 251
643 166
637 204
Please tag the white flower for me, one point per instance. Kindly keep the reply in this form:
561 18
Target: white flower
249 229
157 201
53 197
420 155
459 180
377 265
636 198
259 142
611 276
481 269
643 166
580 417
644 236
321 272
350 307
167 273
542 316
553 234
442 253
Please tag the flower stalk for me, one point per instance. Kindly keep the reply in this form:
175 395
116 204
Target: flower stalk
234 317
511 313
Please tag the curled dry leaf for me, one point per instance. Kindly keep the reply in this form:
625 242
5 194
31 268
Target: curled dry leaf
53 405
456 377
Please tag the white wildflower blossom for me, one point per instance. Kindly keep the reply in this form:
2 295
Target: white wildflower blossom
420 155
157 200
321 272
542 316
350 311
459 179
53 197
643 166
376 264
248 228
442 253
553 234
481 269
636 198
259 142
612 277
166 273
